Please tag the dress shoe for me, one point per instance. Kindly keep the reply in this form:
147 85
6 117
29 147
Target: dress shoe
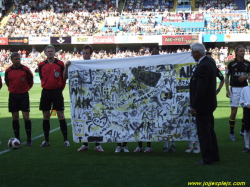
203 163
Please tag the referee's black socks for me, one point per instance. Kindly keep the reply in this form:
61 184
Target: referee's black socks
16 128
28 129
46 129
63 126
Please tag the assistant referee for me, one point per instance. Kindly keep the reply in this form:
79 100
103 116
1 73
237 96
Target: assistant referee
19 81
53 83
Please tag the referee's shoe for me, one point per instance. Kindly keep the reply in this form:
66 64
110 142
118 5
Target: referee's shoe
45 144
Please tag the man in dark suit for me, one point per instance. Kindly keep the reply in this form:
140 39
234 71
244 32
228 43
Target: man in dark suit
203 103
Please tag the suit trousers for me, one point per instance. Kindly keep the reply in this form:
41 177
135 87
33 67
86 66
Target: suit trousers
207 137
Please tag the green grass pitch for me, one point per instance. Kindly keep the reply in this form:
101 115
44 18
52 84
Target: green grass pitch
58 166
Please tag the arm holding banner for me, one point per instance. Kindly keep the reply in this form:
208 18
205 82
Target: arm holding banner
65 72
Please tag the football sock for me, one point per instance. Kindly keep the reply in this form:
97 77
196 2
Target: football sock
148 144
124 144
16 128
172 143
246 138
232 124
63 126
96 144
197 144
242 125
46 128
190 144
140 144
86 144
165 143
28 129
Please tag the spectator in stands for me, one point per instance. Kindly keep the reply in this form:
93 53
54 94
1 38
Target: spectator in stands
155 51
78 20
34 57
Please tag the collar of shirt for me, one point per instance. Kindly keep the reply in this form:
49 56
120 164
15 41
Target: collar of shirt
200 59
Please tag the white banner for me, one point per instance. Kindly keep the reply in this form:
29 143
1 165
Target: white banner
82 39
39 40
236 37
138 39
132 99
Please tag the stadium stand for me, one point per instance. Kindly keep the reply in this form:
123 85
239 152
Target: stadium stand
101 17
47 17
47 22
5 5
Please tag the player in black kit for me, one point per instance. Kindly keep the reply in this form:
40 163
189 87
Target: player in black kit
237 70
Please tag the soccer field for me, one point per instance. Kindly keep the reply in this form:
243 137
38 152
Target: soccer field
57 165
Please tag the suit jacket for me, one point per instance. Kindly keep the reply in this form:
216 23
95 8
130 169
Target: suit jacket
218 74
203 87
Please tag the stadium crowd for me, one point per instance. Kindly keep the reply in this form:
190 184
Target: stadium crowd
32 59
5 6
229 23
216 5
150 6
64 18
68 18
47 22
59 6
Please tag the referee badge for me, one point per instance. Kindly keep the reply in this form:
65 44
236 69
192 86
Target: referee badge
23 79
57 74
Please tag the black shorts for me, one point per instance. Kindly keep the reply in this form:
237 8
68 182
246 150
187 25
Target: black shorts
50 97
19 102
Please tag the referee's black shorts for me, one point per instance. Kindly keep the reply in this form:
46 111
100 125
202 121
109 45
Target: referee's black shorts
52 98
19 102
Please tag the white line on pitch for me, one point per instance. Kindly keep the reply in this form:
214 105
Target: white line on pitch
23 143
